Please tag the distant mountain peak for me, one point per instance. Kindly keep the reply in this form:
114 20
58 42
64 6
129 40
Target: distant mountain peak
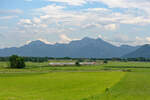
91 39
146 45
87 38
36 42
142 51
84 48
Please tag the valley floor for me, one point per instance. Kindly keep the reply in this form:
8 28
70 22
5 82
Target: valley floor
112 81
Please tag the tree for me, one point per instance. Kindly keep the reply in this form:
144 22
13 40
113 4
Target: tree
16 61
77 63
105 62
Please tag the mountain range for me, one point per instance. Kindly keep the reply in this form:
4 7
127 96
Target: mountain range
143 51
84 48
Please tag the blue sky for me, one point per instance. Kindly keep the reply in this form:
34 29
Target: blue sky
51 21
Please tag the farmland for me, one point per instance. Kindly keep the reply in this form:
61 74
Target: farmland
112 81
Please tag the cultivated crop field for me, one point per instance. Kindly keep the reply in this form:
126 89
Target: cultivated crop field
112 81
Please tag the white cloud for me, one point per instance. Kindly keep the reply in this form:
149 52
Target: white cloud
103 37
138 4
50 9
13 11
141 40
45 41
58 17
92 25
36 20
110 27
27 42
100 36
148 39
25 21
3 27
98 9
43 25
42 40
64 38
28 0
71 2
7 17
55 19
136 20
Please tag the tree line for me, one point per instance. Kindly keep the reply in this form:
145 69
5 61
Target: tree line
19 62
45 59
28 59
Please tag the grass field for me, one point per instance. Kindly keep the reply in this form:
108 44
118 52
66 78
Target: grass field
56 86
112 81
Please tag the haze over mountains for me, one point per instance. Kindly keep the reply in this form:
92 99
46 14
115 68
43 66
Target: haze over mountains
85 48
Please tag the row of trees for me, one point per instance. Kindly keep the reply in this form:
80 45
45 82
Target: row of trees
19 62
31 59
36 59
45 59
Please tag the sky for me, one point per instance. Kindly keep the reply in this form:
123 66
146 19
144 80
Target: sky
61 21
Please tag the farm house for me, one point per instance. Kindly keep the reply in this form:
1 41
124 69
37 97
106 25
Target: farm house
72 63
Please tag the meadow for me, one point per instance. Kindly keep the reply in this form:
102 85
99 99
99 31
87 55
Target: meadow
112 81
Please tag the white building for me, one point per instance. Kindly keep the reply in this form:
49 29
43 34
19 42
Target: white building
72 63
61 64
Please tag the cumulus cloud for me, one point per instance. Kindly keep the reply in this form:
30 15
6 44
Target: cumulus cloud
98 9
110 27
103 37
3 27
13 11
7 17
141 40
92 25
148 39
25 21
71 2
50 9
64 38
28 0
137 4
36 20
136 20
45 41
97 18
129 4
58 19
42 40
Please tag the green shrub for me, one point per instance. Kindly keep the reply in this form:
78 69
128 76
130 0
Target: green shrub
77 63
16 61
105 62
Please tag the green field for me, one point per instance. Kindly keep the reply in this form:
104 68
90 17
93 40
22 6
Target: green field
112 81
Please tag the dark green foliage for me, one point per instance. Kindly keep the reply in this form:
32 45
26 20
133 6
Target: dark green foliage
36 59
81 60
4 58
16 61
105 62
46 59
77 63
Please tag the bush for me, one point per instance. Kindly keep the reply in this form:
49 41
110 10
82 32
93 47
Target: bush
77 63
16 61
105 62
